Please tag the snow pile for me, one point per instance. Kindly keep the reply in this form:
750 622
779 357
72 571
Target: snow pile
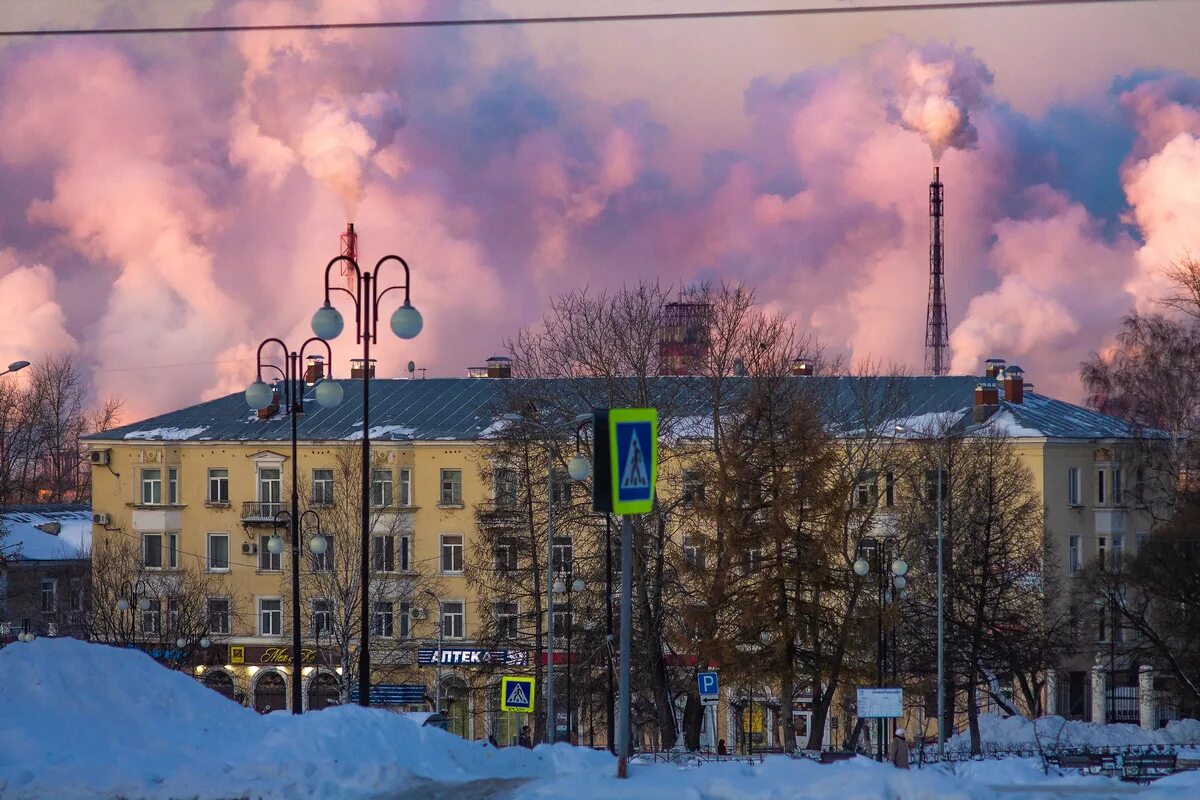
1000 733
167 434
22 540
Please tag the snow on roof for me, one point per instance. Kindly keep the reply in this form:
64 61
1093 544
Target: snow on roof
28 529
168 434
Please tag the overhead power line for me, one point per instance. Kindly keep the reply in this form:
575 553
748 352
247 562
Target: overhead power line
484 22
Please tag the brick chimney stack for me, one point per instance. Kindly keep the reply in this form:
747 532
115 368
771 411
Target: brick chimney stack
1013 383
358 366
314 370
987 400
993 367
802 366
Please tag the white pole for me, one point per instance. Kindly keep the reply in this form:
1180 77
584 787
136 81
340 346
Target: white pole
941 622
551 733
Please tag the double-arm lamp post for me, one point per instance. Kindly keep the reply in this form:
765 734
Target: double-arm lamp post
260 395
327 323
875 551
569 584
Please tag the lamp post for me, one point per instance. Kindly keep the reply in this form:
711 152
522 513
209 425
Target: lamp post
26 635
437 688
186 648
15 366
132 593
874 552
327 323
579 466
569 584
259 395
1100 603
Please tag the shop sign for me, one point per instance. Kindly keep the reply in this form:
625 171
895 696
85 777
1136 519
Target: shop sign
467 656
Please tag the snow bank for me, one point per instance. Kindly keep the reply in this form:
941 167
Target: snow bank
85 720
996 732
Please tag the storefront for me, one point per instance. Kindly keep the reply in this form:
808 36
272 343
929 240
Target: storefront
469 680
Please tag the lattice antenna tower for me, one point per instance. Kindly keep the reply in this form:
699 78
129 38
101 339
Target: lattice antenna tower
684 339
937 345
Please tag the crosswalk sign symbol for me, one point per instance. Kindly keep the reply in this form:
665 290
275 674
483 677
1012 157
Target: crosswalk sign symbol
516 694
633 448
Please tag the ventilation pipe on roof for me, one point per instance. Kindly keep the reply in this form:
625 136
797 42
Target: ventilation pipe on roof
802 366
357 367
314 370
268 411
993 367
987 400
1013 383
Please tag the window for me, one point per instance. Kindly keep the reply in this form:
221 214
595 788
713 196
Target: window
507 620
49 595
1075 554
268 561
506 555
322 616
1100 485
693 556
174 613
931 485
383 553
381 488
324 561
889 489
382 619
322 487
865 489
1072 486
504 483
452 552
218 614
1140 539
405 488
693 487
152 618
218 552
405 553
405 620
270 616
173 486
270 490
173 551
151 487
152 550
76 594
1102 551
1139 486
562 555
562 488
451 487
1118 552
453 620
562 623
1118 491
218 486
753 560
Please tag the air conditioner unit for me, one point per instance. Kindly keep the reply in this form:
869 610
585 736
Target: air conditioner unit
100 519
249 548
99 457
420 613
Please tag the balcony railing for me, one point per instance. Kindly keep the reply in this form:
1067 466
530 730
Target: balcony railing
256 511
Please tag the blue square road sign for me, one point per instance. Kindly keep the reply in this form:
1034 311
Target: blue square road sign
707 683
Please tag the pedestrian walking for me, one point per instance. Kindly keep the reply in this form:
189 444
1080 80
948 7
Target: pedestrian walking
721 749
899 754
525 739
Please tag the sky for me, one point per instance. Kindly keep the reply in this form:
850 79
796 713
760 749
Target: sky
170 201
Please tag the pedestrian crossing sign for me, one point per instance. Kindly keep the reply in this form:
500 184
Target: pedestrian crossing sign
516 694
633 458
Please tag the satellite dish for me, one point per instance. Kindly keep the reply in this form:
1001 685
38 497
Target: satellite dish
412 368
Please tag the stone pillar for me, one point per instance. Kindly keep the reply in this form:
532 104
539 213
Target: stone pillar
1099 711
1147 711
1051 704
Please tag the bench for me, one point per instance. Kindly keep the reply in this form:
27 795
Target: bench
1094 763
1146 767
833 756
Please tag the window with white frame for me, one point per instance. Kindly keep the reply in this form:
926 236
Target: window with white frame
152 550
562 554
382 619
172 551
505 485
270 490
506 555
270 616
218 613
1102 551
218 552
322 616
174 613
383 553
152 618
693 554
1075 554
693 487
173 486
381 488
562 624
268 561
405 487
451 493
322 487
452 552
753 560
218 486
49 595
151 487
405 620
561 482
1072 486
453 619
507 620
865 489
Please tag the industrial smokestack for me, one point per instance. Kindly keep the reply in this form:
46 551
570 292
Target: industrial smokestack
937 346
349 249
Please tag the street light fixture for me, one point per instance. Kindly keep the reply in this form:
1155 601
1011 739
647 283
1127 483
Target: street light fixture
569 586
259 395
26 635
327 323
873 551
129 594
15 366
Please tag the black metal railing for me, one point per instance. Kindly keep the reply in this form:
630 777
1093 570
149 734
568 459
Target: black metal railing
259 511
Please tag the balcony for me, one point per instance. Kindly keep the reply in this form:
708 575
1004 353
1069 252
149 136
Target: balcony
255 512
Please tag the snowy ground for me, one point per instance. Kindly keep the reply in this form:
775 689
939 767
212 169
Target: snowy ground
88 721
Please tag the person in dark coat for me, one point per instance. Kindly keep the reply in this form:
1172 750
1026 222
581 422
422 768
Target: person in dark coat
525 739
899 754
721 749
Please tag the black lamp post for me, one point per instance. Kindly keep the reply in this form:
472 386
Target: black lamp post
1111 715
327 323
132 593
260 395
569 584
873 552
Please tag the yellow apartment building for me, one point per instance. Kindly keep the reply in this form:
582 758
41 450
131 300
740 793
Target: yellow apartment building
198 491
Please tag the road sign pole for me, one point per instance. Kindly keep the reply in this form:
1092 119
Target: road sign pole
626 625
